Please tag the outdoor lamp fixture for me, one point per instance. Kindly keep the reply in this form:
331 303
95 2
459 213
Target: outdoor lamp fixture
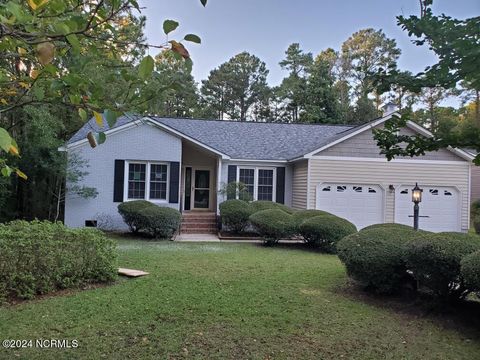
416 198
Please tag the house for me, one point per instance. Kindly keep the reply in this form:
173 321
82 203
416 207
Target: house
184 163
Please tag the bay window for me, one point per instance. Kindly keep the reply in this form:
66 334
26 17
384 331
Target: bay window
146 181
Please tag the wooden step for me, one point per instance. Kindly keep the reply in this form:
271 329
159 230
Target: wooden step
199 226
197 231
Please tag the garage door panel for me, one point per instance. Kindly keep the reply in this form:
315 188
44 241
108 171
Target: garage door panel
361 204
440 208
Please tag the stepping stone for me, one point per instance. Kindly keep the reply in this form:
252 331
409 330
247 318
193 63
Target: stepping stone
131 272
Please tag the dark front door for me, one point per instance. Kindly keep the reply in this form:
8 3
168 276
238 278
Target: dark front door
201 189
188 188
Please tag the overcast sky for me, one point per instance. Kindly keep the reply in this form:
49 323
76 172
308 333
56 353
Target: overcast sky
266 27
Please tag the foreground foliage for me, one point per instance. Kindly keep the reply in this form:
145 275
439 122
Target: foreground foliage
40 257
232 301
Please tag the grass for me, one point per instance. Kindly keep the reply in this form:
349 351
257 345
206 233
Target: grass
231 301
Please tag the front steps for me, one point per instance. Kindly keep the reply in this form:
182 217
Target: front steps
198 223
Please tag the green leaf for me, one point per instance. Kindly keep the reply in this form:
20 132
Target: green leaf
204 2
169 26
6 171
101 138
146 67
5 140
73 40
110 117
193 38
189 64
83 114
38 92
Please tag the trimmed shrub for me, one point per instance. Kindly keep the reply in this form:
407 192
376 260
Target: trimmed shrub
325 231
39 257
301 215
435 260
470 271
374 257
235 214
475 208
130 212
390 226
159 222
266 205
272 225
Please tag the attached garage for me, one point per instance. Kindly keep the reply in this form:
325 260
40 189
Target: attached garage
439 209
361 204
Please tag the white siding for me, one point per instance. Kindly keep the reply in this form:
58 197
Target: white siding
396 173
475 182
144 142
299 185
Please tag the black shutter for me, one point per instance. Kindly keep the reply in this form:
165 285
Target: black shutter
280 185
232 177
118 180
174 182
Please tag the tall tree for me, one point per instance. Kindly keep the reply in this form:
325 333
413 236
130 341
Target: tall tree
293 89
457 45
321 96
236 86
363 54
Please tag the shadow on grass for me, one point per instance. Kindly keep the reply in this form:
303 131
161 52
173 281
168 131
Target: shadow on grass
463 316
295 246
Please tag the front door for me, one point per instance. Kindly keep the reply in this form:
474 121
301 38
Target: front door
201 189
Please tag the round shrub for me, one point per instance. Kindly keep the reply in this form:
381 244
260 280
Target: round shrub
374 257
130 212
435 260
390 226
160 222
325 231
470 271
302 215
235 214
272 225
266 205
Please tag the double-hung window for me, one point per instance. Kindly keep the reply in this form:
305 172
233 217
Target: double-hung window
147 180
259 182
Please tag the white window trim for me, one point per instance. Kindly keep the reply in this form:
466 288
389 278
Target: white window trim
255 180
147 180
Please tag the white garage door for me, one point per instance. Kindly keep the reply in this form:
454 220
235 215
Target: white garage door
361 204
440 204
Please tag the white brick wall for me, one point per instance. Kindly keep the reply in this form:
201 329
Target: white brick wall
144 142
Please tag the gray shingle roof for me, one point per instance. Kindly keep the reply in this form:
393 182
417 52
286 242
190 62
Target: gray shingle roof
244 140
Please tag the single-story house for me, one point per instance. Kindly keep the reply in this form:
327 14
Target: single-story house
184 163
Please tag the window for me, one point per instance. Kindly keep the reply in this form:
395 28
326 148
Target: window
136 181
158 182
357 189
447 193
341 188
434 191
326 188
247 176
260 182
147 181
372 191
405 191
265 185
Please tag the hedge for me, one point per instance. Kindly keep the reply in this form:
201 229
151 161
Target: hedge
470 271
435 262
301 215
390 226
325 231
235 214
159 222
130 212
374 257
476 223
39 257
266 205
273 225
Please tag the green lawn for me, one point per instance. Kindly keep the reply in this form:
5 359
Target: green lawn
233 301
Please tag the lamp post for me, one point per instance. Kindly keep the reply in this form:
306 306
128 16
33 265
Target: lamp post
416 198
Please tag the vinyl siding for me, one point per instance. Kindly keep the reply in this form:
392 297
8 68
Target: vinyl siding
475 182
394 173
299 185
364 145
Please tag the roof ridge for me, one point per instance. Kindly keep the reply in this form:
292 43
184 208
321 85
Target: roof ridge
246 122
